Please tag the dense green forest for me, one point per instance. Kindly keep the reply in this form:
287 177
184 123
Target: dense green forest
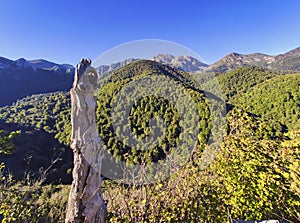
255 174
276 99
264 93
145 109
41 111
238 81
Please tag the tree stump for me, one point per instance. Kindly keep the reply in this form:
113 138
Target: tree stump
85 202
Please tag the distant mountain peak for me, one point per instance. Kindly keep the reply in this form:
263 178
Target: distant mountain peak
289 61
234 54
109 68
21 62
163 58
34 65
185 62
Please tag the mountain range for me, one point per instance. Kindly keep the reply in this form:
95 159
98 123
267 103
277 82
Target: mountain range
287 62
19 78
35 65
185 63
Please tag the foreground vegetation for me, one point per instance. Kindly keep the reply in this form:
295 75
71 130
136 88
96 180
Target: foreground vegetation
255 176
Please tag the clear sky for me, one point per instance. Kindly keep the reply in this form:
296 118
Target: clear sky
65 31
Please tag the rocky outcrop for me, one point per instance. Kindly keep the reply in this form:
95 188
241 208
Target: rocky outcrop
185 63
109 68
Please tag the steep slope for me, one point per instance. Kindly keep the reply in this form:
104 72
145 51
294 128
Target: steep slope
25 77
289 61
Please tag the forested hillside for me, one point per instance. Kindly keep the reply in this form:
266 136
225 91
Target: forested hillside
255 174
276 99
42 139
237 81
270 95
50 113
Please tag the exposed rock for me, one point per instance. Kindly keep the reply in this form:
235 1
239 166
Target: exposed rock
288 62
185 63
108 68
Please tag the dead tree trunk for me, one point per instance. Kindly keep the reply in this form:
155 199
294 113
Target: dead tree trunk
85 202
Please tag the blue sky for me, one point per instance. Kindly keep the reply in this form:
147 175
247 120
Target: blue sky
65 31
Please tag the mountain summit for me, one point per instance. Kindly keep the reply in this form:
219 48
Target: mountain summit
288 62
185 63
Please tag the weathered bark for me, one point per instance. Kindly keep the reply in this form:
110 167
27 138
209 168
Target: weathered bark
85 202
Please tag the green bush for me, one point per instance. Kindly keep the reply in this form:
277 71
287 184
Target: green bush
30 201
